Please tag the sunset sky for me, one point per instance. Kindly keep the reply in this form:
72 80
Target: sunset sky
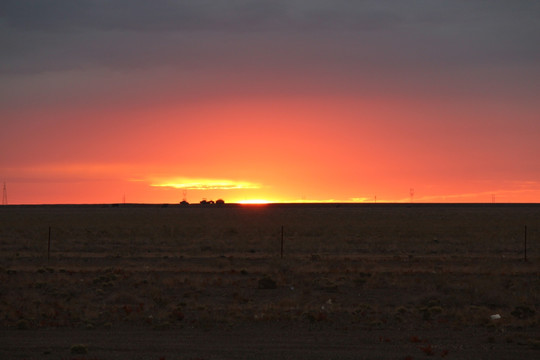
279 100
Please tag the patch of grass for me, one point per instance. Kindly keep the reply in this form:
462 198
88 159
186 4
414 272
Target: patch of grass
23 324
401 310
79 349
428 350
535 343
267 283
523 312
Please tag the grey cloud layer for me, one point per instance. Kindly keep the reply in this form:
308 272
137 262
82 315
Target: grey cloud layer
143 15
62 15
338 40
41 33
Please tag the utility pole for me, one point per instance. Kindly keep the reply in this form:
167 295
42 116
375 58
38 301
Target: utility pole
4 195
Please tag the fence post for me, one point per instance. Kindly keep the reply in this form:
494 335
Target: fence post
525 244
282 241
49 246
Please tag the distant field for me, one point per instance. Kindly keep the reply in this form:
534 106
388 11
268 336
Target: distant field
390 269
324 229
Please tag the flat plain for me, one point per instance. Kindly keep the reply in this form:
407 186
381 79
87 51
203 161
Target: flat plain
352 281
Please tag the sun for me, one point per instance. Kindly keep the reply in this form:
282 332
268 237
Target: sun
254 202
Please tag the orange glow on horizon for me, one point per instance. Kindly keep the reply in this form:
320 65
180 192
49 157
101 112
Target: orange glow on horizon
298 156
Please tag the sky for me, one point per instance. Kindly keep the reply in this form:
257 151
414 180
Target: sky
105 101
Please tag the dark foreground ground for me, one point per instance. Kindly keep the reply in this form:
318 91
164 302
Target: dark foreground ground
265 341
355 282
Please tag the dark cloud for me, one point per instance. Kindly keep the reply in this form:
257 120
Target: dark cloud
249 15
427 24
139 15
309 43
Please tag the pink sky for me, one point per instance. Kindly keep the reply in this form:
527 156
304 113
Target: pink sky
281 101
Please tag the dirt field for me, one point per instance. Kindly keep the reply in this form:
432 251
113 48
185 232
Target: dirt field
208 282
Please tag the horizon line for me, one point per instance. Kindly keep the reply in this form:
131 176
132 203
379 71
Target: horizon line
179 204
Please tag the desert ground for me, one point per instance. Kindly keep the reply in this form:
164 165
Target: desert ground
372 281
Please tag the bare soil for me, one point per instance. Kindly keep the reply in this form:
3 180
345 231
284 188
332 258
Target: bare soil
208 282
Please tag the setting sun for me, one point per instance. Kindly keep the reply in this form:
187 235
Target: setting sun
254 202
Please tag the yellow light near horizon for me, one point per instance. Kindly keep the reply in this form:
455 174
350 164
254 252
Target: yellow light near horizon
254 202
203 184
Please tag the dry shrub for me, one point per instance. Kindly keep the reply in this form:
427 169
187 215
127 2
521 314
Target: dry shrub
79 349
267 283
124 298
23 324
326 285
